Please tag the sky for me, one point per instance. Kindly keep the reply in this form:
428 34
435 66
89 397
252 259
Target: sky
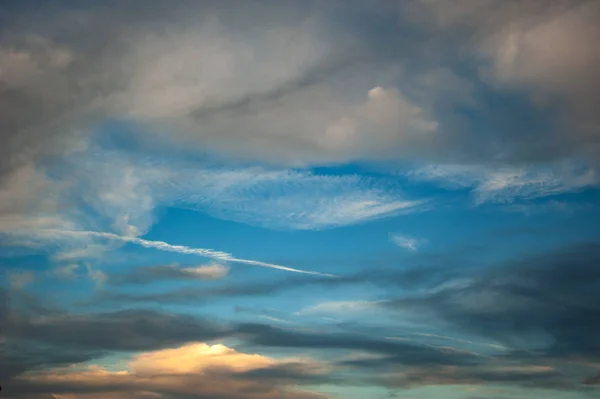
333 199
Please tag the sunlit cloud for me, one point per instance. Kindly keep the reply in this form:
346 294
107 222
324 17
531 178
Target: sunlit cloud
196 369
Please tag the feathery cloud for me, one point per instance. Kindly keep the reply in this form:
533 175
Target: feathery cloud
505 185
408 243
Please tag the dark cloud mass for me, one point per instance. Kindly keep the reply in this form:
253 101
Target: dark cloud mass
545 309
124 331
547 303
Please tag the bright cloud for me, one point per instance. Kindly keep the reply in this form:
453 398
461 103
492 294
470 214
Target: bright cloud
211 271
506 185
196 369
408 243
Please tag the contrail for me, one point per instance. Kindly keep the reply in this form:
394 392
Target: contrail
181 249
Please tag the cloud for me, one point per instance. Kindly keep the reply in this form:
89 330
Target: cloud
97 276
406 353
196 358
408 243
250 289
128 330
66 272
211 82
340 307
303 92
173 350
182 249
118 207
289 199
146 274
511 38
18 280
424 278
307 90
144 330
196 370
526 376
129 211
532 304
595 380
520 56
506 185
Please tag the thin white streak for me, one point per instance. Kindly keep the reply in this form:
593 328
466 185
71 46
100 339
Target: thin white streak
182 249
448 338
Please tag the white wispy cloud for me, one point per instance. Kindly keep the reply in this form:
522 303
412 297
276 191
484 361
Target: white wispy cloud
408 243
115 194
449 338
122 190
292 199
508 184
340 307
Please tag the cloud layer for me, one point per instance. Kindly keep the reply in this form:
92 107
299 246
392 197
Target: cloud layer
144 147
305 89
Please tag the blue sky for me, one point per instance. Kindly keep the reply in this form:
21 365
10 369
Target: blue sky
260 200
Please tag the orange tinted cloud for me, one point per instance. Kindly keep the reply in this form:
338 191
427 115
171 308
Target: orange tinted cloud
194 370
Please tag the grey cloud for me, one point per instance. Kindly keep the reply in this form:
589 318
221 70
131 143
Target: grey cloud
487 373
17 357
124 330
425 276
546 303
191 386
405 365
268 336
38 339
594 380
511 38
65 70
62 68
